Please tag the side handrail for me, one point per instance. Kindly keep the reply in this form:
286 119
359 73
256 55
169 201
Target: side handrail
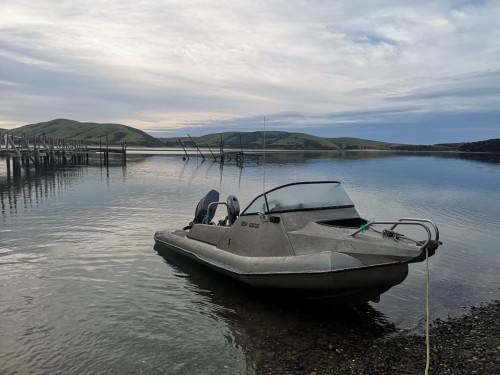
405 221
411 219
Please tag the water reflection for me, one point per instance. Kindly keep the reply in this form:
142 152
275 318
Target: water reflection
35 187
83 288
460 196
304 157
300 157
41 185
481 158
280 333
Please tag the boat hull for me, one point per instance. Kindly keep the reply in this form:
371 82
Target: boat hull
311 276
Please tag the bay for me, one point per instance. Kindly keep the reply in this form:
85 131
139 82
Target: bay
83 291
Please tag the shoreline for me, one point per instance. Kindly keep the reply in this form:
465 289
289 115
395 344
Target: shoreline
467 344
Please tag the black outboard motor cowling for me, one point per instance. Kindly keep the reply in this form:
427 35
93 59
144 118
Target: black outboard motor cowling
233 209
201 214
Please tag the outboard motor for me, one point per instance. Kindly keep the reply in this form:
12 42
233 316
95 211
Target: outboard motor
201 214
233 210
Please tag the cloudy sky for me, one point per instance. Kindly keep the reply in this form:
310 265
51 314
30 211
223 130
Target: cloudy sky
412 71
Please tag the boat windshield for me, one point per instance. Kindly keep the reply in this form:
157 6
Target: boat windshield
300 196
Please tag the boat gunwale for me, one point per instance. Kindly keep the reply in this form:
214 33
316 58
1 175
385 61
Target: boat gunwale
240 272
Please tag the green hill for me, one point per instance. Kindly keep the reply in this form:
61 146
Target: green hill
362 144
490 145
90 132
277 140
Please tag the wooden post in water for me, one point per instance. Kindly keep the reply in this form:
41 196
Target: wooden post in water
195 145
106 155
64 156
16 166
187 156
36 153
209 149
8 166
124 153
222 155
52 154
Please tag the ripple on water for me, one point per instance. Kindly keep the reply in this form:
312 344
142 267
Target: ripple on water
83 291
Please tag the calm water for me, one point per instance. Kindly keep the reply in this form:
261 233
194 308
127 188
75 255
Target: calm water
83 291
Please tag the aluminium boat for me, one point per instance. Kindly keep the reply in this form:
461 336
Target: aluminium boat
305 239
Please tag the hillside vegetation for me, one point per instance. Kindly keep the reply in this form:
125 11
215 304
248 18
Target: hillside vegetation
90 132
490 145
277 140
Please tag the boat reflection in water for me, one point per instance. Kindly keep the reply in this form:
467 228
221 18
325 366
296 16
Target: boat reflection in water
305 239
277 333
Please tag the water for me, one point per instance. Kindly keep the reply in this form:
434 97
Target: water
83 291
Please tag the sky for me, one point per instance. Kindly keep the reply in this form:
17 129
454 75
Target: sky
411 71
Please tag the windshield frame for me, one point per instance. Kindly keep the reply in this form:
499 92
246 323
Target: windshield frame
262 200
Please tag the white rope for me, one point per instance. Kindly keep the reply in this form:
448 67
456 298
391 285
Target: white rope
264 160
427 302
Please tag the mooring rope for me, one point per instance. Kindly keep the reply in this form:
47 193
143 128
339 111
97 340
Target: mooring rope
264 161
427 302
363 228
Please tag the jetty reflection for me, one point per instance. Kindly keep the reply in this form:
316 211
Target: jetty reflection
34 187
272 329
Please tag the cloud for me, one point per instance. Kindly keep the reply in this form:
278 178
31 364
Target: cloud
205 64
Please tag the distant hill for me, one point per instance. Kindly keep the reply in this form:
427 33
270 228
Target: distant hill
277 140
280 140
490 145
90 132
425 148
362 144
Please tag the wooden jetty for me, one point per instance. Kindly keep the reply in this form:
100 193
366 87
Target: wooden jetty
40 151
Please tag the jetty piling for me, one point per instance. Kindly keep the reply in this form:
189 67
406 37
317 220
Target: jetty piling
28 149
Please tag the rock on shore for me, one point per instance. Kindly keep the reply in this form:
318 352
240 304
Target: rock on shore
469 344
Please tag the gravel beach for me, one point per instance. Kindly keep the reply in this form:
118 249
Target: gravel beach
468 344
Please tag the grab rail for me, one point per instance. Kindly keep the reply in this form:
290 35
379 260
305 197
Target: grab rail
411 219
406 221
205 219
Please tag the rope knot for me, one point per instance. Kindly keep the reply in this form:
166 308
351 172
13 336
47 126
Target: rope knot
366 226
